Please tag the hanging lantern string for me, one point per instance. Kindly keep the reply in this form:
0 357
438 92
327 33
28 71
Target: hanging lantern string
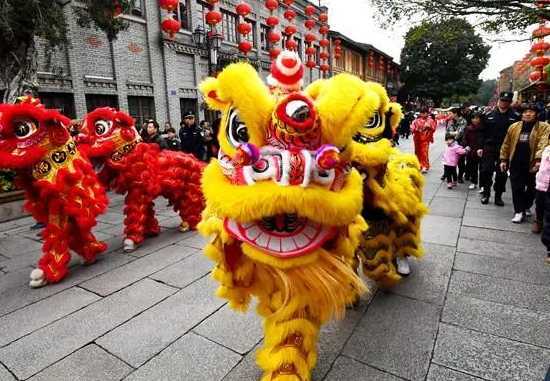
324 43
290 29
244 28
169 24
310 37
273 36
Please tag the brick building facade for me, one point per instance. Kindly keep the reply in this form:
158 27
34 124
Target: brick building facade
144 72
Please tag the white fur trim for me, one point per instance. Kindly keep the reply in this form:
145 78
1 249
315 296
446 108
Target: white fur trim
285 70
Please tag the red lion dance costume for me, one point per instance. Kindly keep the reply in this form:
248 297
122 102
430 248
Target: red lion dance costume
143 172
62 189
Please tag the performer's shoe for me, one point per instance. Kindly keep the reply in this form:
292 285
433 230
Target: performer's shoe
528 213
403 266
498 200
518 218
184 227
129 246
485 200
37 279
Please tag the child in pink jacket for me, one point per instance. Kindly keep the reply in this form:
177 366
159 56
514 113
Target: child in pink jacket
543 201
451 156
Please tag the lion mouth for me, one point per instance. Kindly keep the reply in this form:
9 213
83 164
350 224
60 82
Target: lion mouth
365 139
283 235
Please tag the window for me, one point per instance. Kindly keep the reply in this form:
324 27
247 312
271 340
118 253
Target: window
264 42
182 14
252 35
204 10
355 64
188 104
141 109
341 62
318 54
229 25
64 103
137 8
299 48
94 101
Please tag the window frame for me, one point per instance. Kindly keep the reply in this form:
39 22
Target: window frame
140 117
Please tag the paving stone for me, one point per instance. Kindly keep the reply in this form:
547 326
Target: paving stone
42 313
440 230
440 373
48 345
5 375
529 272
21 261
527 240
348 369
448 207
111 217
498 319
247 368
441 254
226 327
143 337
489 357
457 193
154 244
17 294
504 291
123 276
194 240
490 222
183 273
428 282
522 252
389 319
190 358
13 246
90 363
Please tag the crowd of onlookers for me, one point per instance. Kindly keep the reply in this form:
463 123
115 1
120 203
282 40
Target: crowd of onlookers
199 140
487 147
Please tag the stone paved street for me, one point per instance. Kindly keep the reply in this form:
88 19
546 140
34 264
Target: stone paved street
476 308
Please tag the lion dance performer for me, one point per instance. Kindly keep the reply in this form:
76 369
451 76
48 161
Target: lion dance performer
423 129
392 188
61 187
283 204
143 172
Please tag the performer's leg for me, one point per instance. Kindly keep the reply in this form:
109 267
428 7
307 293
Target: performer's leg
137 205
152 227
85 244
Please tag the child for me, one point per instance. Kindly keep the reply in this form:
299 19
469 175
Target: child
452 155
471 139
171 141
543 202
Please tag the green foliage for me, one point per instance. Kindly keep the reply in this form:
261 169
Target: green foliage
485 93
103 15
7 181
442 59
491 15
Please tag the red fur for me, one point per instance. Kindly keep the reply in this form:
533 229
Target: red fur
68 204
145 174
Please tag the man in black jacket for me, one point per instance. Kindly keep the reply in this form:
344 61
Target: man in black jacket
190 136
492 135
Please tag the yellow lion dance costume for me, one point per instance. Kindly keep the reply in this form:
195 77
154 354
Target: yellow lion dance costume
283 204
393 185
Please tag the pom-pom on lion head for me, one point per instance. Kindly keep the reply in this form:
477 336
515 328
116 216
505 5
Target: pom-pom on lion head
28 133
108 133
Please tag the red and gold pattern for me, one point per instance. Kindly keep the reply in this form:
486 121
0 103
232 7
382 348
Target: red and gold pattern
62 190
143 172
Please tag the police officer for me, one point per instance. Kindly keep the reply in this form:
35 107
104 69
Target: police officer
496 124
190 136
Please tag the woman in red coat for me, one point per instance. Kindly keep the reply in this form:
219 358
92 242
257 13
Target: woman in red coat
423 129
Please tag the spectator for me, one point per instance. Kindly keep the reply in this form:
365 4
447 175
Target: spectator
151 133
521 153
453 152
190 136
171 142
423 129
164 132
405 125
209 140
456 125
471 139
495 127
543 202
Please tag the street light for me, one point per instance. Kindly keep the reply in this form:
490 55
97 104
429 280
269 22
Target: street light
199 36
211 41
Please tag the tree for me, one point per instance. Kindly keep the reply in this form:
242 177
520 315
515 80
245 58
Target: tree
23 21
492 15
485 93
441 59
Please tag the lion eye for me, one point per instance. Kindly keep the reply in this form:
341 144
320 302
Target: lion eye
102 127
24 128
237 132
375 121
298 111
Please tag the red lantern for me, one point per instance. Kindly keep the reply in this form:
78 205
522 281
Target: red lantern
169 5
170 26
311 64
310 37
213 17
540 47
540 61
274 53
537 76
291 44
243 9
272 4
338 49
337 55
244 28
290 30
323 55
310 10
324 42
310 24
273 36
117 9
337 42
289 15
323 17
324 67
245 46
310 51
541 32
212 2
288 3
324 29
272 21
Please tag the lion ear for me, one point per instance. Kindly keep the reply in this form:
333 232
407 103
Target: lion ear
210 91
314 89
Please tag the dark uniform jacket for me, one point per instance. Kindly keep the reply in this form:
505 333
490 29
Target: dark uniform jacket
191 141
495 127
